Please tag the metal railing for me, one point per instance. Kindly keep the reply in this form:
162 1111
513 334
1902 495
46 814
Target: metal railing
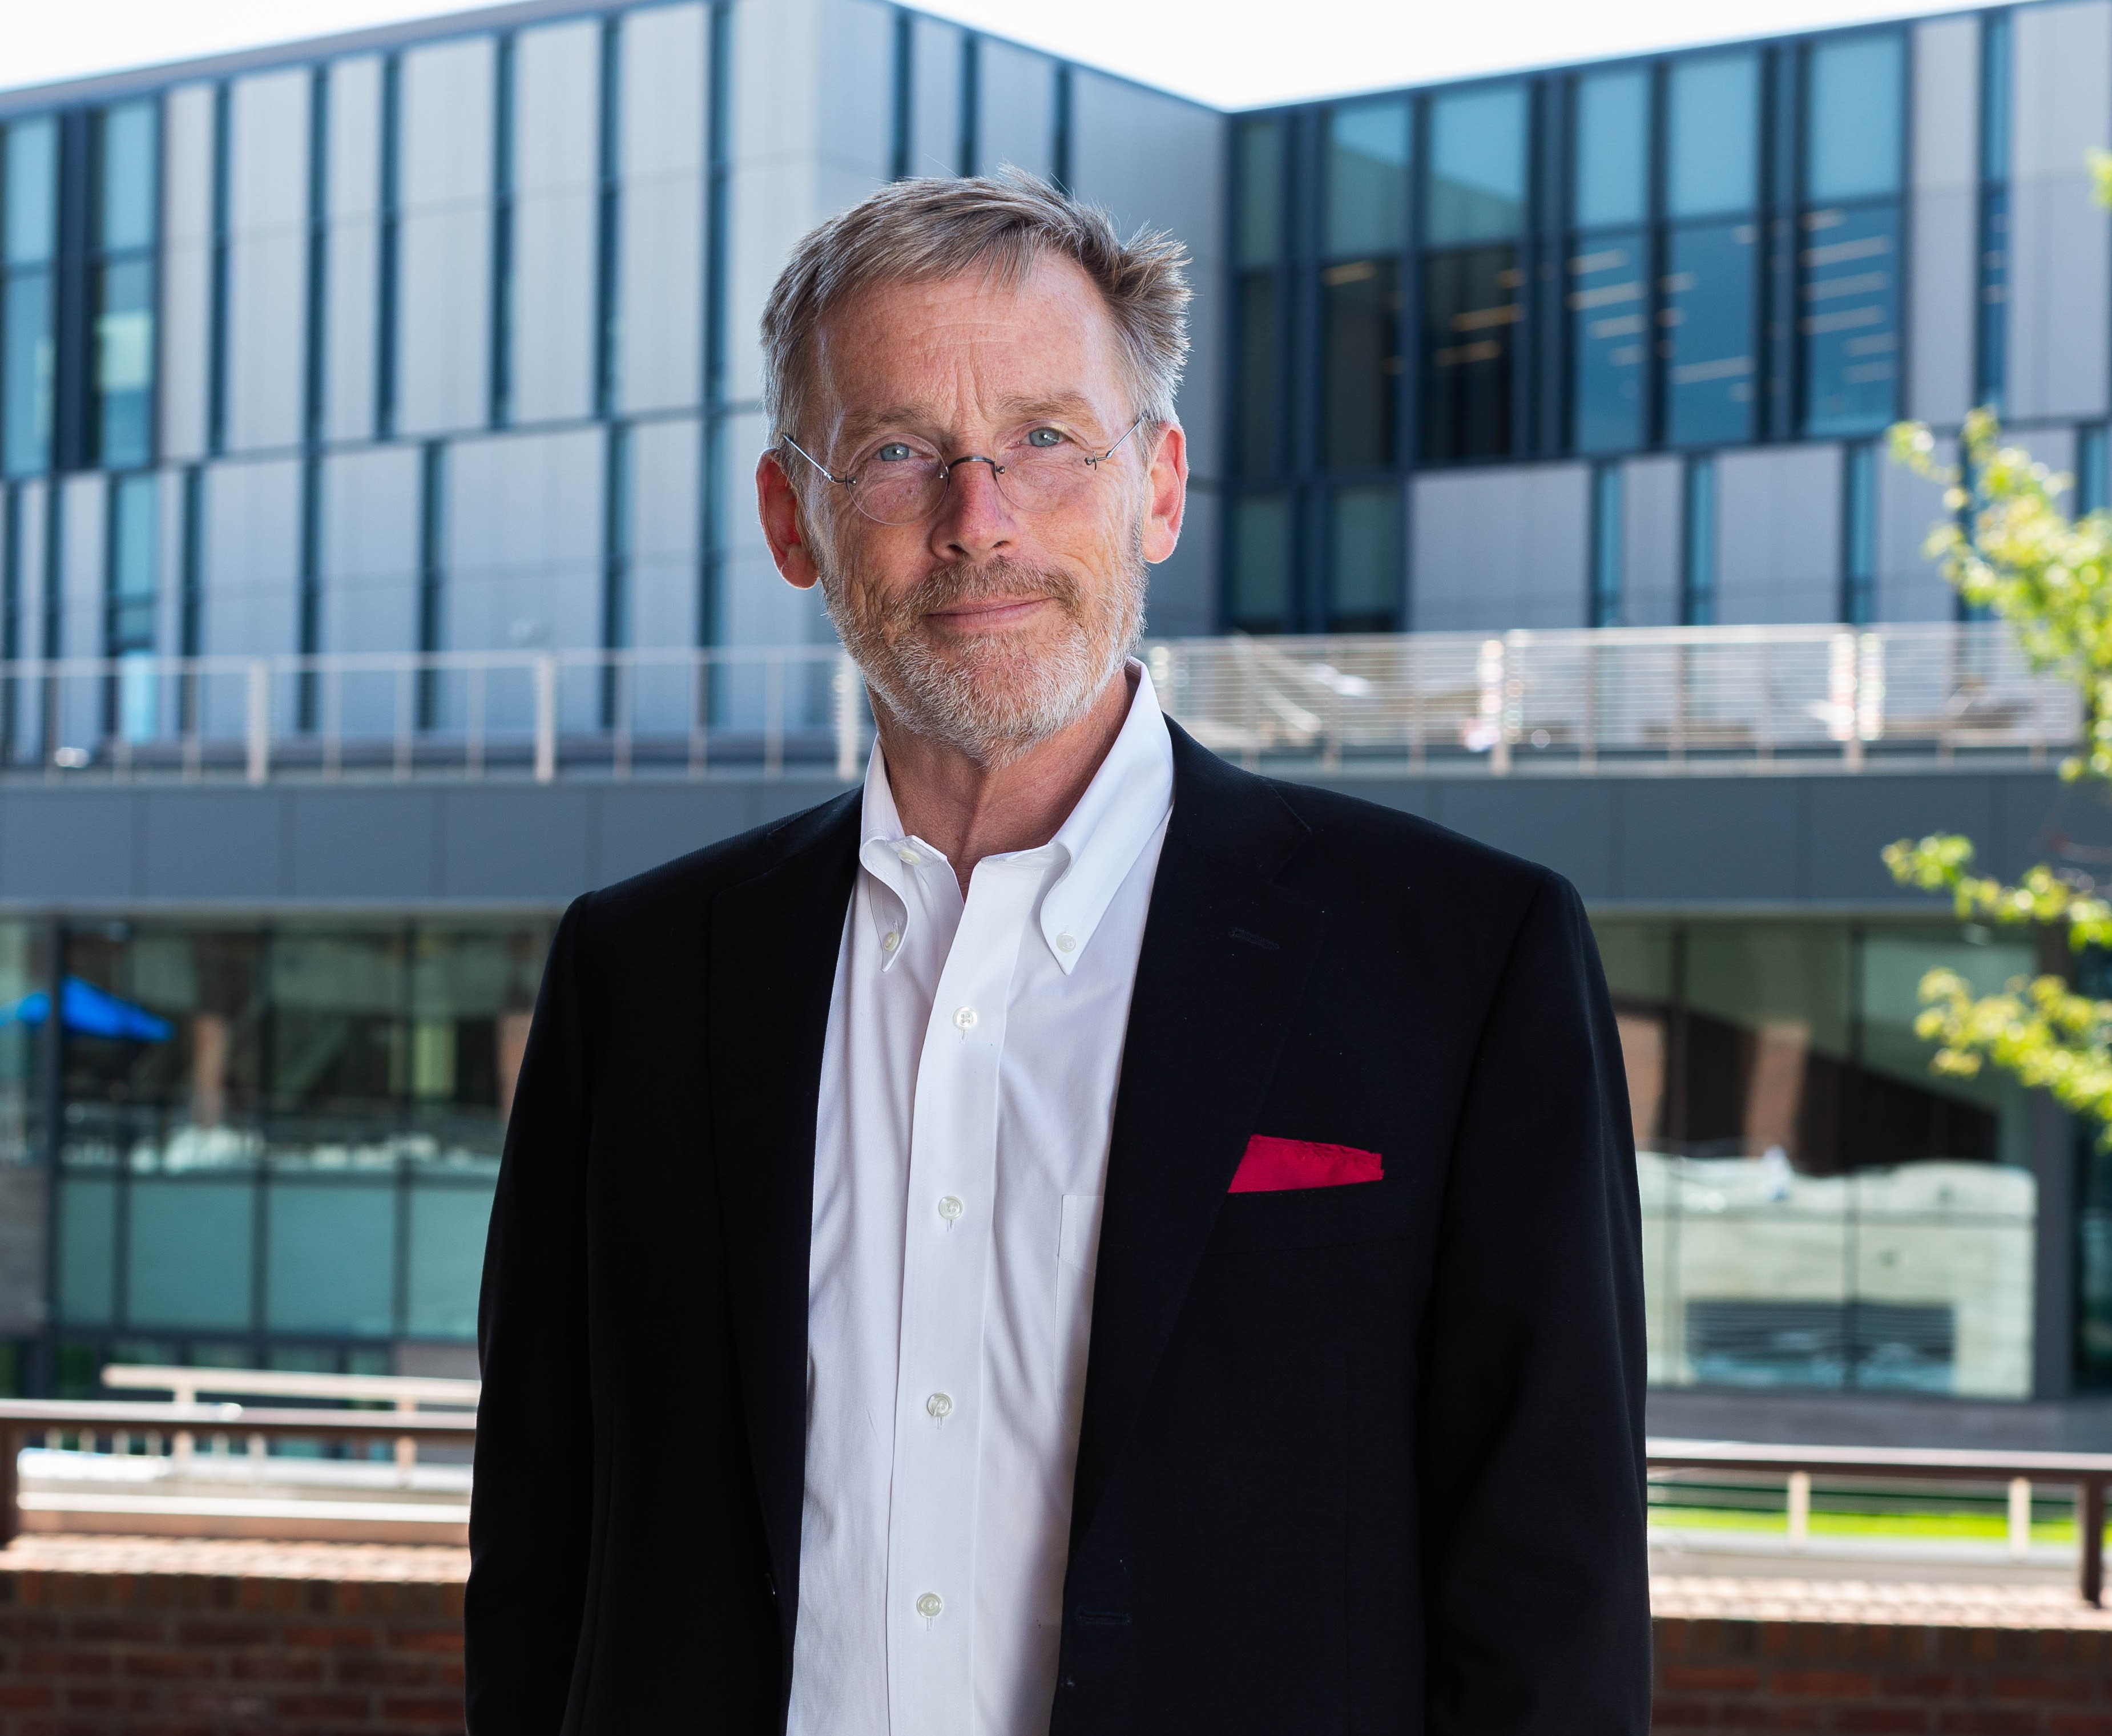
2087 1473
1711 699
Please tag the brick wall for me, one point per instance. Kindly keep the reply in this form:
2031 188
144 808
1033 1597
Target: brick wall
172 1640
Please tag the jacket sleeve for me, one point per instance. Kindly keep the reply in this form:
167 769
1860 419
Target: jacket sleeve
531 1506
1532 1472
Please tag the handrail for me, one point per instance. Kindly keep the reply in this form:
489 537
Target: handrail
2088 1472
406 1391
22 1417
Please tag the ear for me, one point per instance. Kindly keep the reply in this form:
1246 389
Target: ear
783 524
1168 484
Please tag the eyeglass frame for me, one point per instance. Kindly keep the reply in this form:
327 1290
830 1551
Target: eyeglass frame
949 466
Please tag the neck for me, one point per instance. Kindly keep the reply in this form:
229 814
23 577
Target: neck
970 811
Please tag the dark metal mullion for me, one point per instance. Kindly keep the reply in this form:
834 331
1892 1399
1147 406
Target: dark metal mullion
970 104
1305 357
608 217
1060 145
904 88
51 1092
216 386
498 409
315 334
615 561
712 514
312 581
1555 109
386 250
432 576
1656 262
73 287
1780 412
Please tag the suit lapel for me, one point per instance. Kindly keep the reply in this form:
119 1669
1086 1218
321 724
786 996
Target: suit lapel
775 941
1225 959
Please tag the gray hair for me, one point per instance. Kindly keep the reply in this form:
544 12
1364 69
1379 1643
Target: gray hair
926 230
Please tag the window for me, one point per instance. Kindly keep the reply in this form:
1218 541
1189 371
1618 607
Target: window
29 245
1991 337
1261 564
1364 579
1259 419
1858 533
1260 168
127 188
1366 194
1472 278
1606 546
1697 600
1849 234
1607 293
2093 470
130 605
1362 303
1711 166
1709 313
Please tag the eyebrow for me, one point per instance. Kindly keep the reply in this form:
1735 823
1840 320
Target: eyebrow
1070 407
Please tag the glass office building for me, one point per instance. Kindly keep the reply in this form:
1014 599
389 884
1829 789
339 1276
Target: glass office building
439 339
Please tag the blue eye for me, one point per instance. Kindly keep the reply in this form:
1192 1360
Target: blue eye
1044 437
893 452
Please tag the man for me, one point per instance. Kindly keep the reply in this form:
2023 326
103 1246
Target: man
1072 1236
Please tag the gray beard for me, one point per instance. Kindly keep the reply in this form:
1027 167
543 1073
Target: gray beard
989 702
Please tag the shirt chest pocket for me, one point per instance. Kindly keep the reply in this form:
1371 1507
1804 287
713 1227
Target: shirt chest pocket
1077 1256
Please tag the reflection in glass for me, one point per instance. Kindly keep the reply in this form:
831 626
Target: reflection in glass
1260 402
1850 320
1476 186
1470 310
1367 178
1261 564
1992 337
338 1045
1858 514
1709 343
1608 301
125 204
330 1264
1361 301
1712 162
1611 185
447 1225
133 546
25 371
1261 192
125 361
1606 546
188 1253
1697 574
30 192
1853 104
1364 581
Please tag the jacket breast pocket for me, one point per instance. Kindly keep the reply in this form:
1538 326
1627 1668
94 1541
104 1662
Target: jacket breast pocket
1313 1217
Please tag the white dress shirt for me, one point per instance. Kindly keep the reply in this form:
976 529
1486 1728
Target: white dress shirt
967 1095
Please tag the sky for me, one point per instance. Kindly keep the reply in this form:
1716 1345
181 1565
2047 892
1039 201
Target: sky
1234 54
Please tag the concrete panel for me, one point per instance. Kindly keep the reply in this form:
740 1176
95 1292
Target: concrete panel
1156 161
2060 256
58 846
267 263
1910 587
1500 547
1732 840
1568 825
1015 110
212 846
525 844
1778 535
367 846
354 255
665 51
1652 519
934 97
186 268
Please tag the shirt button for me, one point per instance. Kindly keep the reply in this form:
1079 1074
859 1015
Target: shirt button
890 941
939 1407
908 856
1067 943
950 1209
929 1605
965 1017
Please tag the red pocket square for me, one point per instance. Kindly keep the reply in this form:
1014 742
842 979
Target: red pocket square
1274 1166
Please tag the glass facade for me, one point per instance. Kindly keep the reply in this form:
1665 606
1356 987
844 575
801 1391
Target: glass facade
29 250
1820 1210
1474 200
275 1139
127 189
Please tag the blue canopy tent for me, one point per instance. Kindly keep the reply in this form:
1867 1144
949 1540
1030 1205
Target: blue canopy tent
90 1012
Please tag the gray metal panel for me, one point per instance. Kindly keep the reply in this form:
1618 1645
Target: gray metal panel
1851 820
665 53
502 841
524 531
60 846
1943 232
934 97
1184 588
1156 161
556 119
1778 535
349 299
2060 254
186 268
1015 110
1947 106
1571 825
444 295
366 846
218 845
1742 841
856 134
1653 522
1501 548
370 550
253 559
267 263
665 582
1910 587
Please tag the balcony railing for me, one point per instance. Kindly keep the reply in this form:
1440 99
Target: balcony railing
1661 700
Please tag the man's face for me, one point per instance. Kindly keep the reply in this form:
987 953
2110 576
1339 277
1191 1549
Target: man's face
989 625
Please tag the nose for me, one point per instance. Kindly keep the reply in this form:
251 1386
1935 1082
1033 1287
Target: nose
974 521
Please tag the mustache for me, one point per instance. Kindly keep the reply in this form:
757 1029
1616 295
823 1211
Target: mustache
964 582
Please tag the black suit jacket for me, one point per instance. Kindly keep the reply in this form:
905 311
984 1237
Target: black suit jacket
1358 1459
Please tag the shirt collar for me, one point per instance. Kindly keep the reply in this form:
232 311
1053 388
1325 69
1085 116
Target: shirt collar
1091 854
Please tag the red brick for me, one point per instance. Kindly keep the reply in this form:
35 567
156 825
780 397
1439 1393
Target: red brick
1831 1684
1870 1718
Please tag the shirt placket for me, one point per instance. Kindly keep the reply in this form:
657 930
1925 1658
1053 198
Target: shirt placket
947 1250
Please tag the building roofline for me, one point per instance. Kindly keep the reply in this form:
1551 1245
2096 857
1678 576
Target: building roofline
105 87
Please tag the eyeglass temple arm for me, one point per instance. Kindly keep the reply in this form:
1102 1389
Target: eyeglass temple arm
1110 453
823 469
